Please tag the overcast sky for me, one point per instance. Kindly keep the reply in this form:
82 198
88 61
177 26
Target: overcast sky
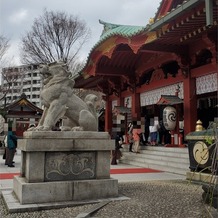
16 17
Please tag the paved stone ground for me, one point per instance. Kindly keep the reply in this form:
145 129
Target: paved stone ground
161 199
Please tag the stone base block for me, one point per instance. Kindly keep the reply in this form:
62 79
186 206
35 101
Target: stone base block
13 205
60 191
201 177
58 167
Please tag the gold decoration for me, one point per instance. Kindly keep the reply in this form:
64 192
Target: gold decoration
151 20
151 37
23 102
199 126
107 45
201 153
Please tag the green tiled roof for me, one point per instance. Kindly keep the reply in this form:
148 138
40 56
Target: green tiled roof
123 30
118 30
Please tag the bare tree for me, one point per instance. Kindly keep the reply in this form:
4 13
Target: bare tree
4 45
10 75
54 36
76 66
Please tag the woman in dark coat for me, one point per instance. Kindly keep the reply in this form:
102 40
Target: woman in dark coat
11 148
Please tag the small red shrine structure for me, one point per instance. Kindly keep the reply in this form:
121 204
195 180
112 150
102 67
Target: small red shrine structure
135 65
21 114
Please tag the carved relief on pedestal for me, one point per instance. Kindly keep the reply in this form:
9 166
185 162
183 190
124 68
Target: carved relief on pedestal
69 166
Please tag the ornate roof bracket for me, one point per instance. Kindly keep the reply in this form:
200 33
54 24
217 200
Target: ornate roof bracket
170 68
122 84
185 70
128 79
132 88
210 42
157 75
100 88
184 64
158 59
113 88
116 92
125 78
111 83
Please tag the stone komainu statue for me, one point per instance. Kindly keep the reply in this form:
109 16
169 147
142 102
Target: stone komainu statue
59 101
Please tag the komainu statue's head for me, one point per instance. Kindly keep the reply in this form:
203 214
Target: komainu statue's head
55 69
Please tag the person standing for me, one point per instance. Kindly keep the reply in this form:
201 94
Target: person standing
161 132
147 123
116 154
130 136
11 148
136 137
5 144
153 134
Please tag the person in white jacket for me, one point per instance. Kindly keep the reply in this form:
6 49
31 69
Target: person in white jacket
153 134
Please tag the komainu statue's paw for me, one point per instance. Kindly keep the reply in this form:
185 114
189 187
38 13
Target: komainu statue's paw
34 129
31 129
46 128
77 128
40 128
65 128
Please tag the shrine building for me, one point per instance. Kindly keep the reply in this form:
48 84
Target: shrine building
21 114
172 60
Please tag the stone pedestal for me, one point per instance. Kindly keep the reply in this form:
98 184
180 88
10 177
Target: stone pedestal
64 166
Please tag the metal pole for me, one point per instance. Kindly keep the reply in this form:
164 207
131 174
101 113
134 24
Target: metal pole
209 12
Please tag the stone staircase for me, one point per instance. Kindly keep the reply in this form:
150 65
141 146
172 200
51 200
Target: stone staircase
169 159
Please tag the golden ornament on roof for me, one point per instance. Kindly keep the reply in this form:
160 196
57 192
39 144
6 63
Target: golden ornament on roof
199 126
151 20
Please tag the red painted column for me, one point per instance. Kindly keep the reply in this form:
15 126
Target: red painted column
120 101
136 110
190 105
108 116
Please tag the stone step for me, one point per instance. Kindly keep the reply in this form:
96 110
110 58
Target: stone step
174 160
169 163
159 157
157 167
170 150
167 153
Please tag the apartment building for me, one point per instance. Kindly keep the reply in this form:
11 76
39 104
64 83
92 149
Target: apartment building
22 79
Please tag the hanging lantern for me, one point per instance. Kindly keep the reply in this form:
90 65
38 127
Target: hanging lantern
169 118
